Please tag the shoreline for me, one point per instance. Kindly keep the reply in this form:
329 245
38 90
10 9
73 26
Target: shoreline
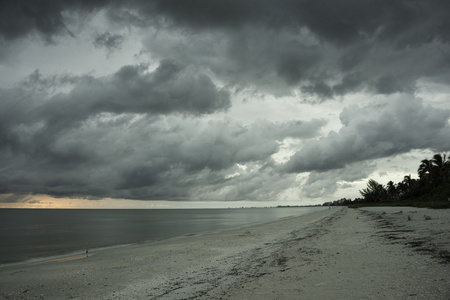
80 253
45 252
331 254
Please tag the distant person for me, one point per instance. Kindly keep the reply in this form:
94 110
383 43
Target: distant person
87 253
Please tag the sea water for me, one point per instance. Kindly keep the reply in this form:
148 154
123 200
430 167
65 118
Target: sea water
35 233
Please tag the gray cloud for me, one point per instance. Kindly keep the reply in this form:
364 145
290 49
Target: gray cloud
52 132
31 119
155 133
20 18
109 41
254 183
278 60
323 49
170 88
340 22
133 155
320 184
374 131
36 82
13 198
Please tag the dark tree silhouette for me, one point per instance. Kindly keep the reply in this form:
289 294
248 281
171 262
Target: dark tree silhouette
425 169
374 192
431 189
392 191
440 169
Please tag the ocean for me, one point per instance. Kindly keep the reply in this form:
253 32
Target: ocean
27 234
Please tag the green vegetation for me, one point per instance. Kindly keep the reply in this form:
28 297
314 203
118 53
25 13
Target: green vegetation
432 189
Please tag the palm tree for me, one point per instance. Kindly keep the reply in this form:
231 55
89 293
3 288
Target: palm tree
374 191
392 191
425 169
408 181
439 161
439 169
402 189
409 186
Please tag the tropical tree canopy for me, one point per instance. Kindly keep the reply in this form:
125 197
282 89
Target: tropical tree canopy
433 184
374 191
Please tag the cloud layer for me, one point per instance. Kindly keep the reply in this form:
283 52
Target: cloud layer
374 131
131 135
164 125
323 49
141 156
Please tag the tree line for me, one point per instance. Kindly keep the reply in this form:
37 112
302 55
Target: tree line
431 189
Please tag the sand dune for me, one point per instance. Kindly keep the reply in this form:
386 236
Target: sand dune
341 253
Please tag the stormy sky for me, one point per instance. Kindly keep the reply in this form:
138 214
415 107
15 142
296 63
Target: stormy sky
284 102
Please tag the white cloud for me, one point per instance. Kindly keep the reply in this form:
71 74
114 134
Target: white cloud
395 125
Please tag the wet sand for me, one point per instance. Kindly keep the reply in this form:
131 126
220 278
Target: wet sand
340 253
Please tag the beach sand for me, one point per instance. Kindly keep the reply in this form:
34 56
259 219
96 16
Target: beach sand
340 253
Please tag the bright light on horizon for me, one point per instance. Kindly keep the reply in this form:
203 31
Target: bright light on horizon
49 202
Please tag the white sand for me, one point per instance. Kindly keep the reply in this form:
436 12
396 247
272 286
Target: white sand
341 253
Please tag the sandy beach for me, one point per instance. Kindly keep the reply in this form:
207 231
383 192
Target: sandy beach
340 253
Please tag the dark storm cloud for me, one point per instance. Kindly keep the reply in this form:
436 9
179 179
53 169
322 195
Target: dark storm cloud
341 22
31 119
142 133
170 88
40 83
324 49
45 17
44 134
109 41
255 184
408 22
141 157
319 184
270 61
375 131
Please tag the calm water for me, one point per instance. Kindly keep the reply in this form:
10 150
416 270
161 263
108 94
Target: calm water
28 233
